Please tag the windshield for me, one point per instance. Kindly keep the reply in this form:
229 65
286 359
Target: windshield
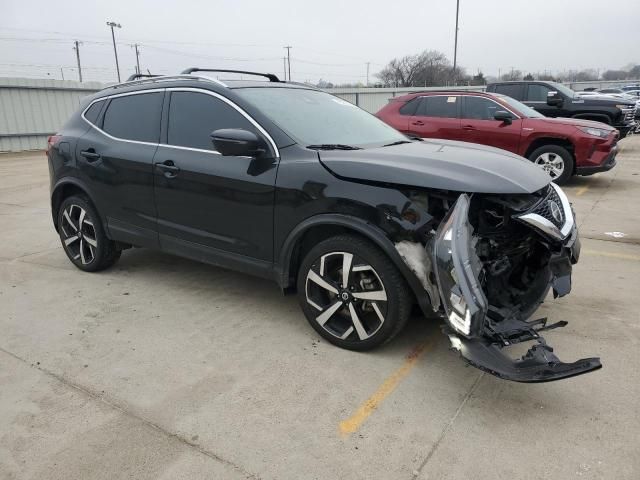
317 118
562 89
527 112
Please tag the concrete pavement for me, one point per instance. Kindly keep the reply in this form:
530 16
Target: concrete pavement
164 368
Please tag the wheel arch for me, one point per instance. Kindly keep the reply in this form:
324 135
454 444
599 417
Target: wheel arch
559 141
64 188
319 227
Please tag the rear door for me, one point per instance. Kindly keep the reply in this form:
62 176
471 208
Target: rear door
437 116
115 158
479 125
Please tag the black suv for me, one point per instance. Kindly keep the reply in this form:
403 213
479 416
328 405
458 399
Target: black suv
290 183
556 100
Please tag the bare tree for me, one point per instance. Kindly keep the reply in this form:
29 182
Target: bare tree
422 70
512 76
615 75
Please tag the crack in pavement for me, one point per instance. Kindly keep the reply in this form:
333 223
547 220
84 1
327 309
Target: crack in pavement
99 398
447 428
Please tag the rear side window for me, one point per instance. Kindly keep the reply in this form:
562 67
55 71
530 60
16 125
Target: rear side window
193 116
510 90
537 93
410 107
479 108
134 117
93 112
439 106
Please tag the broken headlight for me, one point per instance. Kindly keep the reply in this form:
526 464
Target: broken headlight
457 268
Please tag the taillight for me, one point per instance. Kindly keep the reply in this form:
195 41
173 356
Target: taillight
51 142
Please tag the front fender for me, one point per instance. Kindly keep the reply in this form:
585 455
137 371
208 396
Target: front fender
362 227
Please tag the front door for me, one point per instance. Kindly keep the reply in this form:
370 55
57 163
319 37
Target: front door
478 124
212 207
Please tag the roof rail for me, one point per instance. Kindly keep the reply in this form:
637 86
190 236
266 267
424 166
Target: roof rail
136 76
270 76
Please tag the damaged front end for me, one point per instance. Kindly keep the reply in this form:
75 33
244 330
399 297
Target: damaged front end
495 257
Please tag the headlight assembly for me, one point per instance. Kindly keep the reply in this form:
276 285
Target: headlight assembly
596 132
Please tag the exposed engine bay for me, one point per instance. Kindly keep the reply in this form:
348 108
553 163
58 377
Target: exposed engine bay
493 259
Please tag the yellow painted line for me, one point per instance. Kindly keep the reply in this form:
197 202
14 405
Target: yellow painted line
581 190
624 256
353 423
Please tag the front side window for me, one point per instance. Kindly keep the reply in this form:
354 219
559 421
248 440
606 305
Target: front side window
194 116
537 93
479 108
134 117
312 117
439 106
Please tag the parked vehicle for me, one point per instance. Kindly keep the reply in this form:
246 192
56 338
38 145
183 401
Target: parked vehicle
562 147
556 100
631 87
290 183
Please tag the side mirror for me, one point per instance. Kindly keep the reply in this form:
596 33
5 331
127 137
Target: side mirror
236 142
503 116
554 99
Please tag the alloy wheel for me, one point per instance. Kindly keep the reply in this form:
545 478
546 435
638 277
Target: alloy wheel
79 234
552 163
348 294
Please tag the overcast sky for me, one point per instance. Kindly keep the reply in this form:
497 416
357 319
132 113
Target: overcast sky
330 39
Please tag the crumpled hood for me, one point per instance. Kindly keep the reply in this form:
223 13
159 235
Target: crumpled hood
439 164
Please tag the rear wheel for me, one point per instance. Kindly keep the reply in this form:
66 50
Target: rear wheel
557 161
83 237
352 294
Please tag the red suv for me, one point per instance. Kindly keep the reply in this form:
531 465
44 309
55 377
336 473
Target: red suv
561 146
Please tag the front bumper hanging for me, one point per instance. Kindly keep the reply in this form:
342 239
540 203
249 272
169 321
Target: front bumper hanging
539 364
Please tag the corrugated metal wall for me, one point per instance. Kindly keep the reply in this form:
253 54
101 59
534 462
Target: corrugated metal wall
32 109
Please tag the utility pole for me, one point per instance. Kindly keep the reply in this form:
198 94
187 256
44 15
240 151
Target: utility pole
115 50
284 67
455 45
137 59
62 73
77 49
288 47
368 63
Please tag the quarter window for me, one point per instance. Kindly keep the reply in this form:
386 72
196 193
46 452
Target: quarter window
194 116
439 106
537 93
93 112
478 108
409 108
134 117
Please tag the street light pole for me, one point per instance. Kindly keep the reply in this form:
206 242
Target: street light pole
455 47
137 59
288 47
115 50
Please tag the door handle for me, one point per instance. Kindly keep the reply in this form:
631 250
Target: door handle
168 168
468 127
418 122
90 155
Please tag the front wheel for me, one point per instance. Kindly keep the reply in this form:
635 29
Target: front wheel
555 160
352 294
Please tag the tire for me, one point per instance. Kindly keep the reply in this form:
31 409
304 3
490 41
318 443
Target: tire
329 308
557 161
83 237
